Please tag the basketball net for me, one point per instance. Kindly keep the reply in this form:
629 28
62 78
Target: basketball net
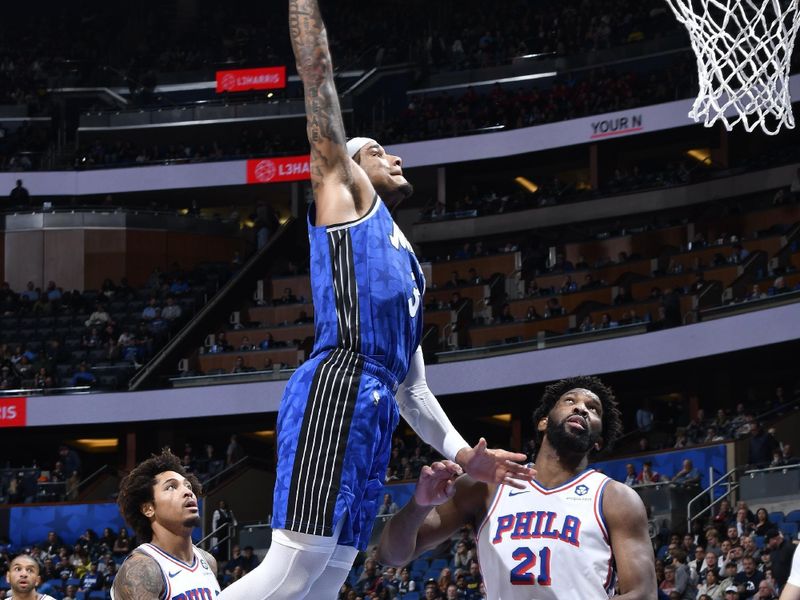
743 50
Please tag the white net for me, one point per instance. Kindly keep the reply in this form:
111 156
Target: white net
744 50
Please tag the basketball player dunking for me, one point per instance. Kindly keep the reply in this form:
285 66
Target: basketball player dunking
158 500
569 534
339 409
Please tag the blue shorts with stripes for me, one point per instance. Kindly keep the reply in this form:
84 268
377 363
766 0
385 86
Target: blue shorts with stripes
335 428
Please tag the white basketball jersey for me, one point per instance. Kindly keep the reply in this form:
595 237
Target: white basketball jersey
183 581
548 544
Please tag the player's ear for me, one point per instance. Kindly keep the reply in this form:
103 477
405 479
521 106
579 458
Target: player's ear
598 445
542 424
148 509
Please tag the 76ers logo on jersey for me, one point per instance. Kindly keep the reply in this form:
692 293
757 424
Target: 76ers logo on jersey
581 490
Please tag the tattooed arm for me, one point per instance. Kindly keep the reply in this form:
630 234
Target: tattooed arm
342 190
139 578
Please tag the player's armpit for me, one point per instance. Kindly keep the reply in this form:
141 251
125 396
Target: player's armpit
139 578
630 542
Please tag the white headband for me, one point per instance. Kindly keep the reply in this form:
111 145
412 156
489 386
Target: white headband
355 144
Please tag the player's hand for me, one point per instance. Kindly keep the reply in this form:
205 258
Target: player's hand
495 466
436 483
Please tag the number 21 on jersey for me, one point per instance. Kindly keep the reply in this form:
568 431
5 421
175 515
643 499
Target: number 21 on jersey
522 575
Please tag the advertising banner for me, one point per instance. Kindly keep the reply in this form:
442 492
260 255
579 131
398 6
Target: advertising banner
242 80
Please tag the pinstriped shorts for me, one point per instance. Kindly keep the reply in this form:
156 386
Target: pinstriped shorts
335 428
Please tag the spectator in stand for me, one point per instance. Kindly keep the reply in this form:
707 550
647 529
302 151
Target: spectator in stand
644 417
82 376
762 444
781 552
234 452
631 477
688 475
240 367
763 524
727 576
648 475
99 318
31 293
765 591
287 298
151 310
171 311
179 287
388 507
19 196
683 579
742 522
553 308
92 580
748 578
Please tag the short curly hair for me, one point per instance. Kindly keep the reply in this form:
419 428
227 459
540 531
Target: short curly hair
136 489
612 417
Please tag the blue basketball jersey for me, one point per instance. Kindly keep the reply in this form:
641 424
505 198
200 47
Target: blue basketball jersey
367 287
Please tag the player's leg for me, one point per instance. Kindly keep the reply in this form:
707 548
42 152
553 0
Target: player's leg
330 582
294 562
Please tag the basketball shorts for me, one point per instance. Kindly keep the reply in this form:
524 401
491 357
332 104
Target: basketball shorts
335 427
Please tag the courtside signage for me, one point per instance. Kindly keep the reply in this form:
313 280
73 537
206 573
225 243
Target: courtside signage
277 170
12 412
242 80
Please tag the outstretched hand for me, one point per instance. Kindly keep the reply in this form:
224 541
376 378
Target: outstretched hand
436 485
495 466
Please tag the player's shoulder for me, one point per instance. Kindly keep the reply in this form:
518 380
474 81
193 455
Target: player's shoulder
139 578
621 503
209 558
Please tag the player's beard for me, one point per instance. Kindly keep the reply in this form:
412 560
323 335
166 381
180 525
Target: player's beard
568 441
402 192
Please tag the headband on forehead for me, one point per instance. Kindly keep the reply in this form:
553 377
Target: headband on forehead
357 143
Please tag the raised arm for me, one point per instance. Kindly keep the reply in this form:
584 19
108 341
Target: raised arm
438 508
633 553
139 578
422 411
334 176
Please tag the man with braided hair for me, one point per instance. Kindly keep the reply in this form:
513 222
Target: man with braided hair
158 499
572 533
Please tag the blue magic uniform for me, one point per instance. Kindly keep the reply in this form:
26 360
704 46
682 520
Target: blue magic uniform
338 412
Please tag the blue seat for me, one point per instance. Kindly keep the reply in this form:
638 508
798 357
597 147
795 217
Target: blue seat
789 530
420 565
793 517
438 563
776 517
74 581
415 575
99 595
759 540
411 596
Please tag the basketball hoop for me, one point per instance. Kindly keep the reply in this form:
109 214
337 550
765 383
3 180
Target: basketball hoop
743 50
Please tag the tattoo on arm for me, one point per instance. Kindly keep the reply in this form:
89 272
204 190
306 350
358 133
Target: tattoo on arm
139 578
325 126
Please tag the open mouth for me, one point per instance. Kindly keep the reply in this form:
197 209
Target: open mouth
577 422
190 504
